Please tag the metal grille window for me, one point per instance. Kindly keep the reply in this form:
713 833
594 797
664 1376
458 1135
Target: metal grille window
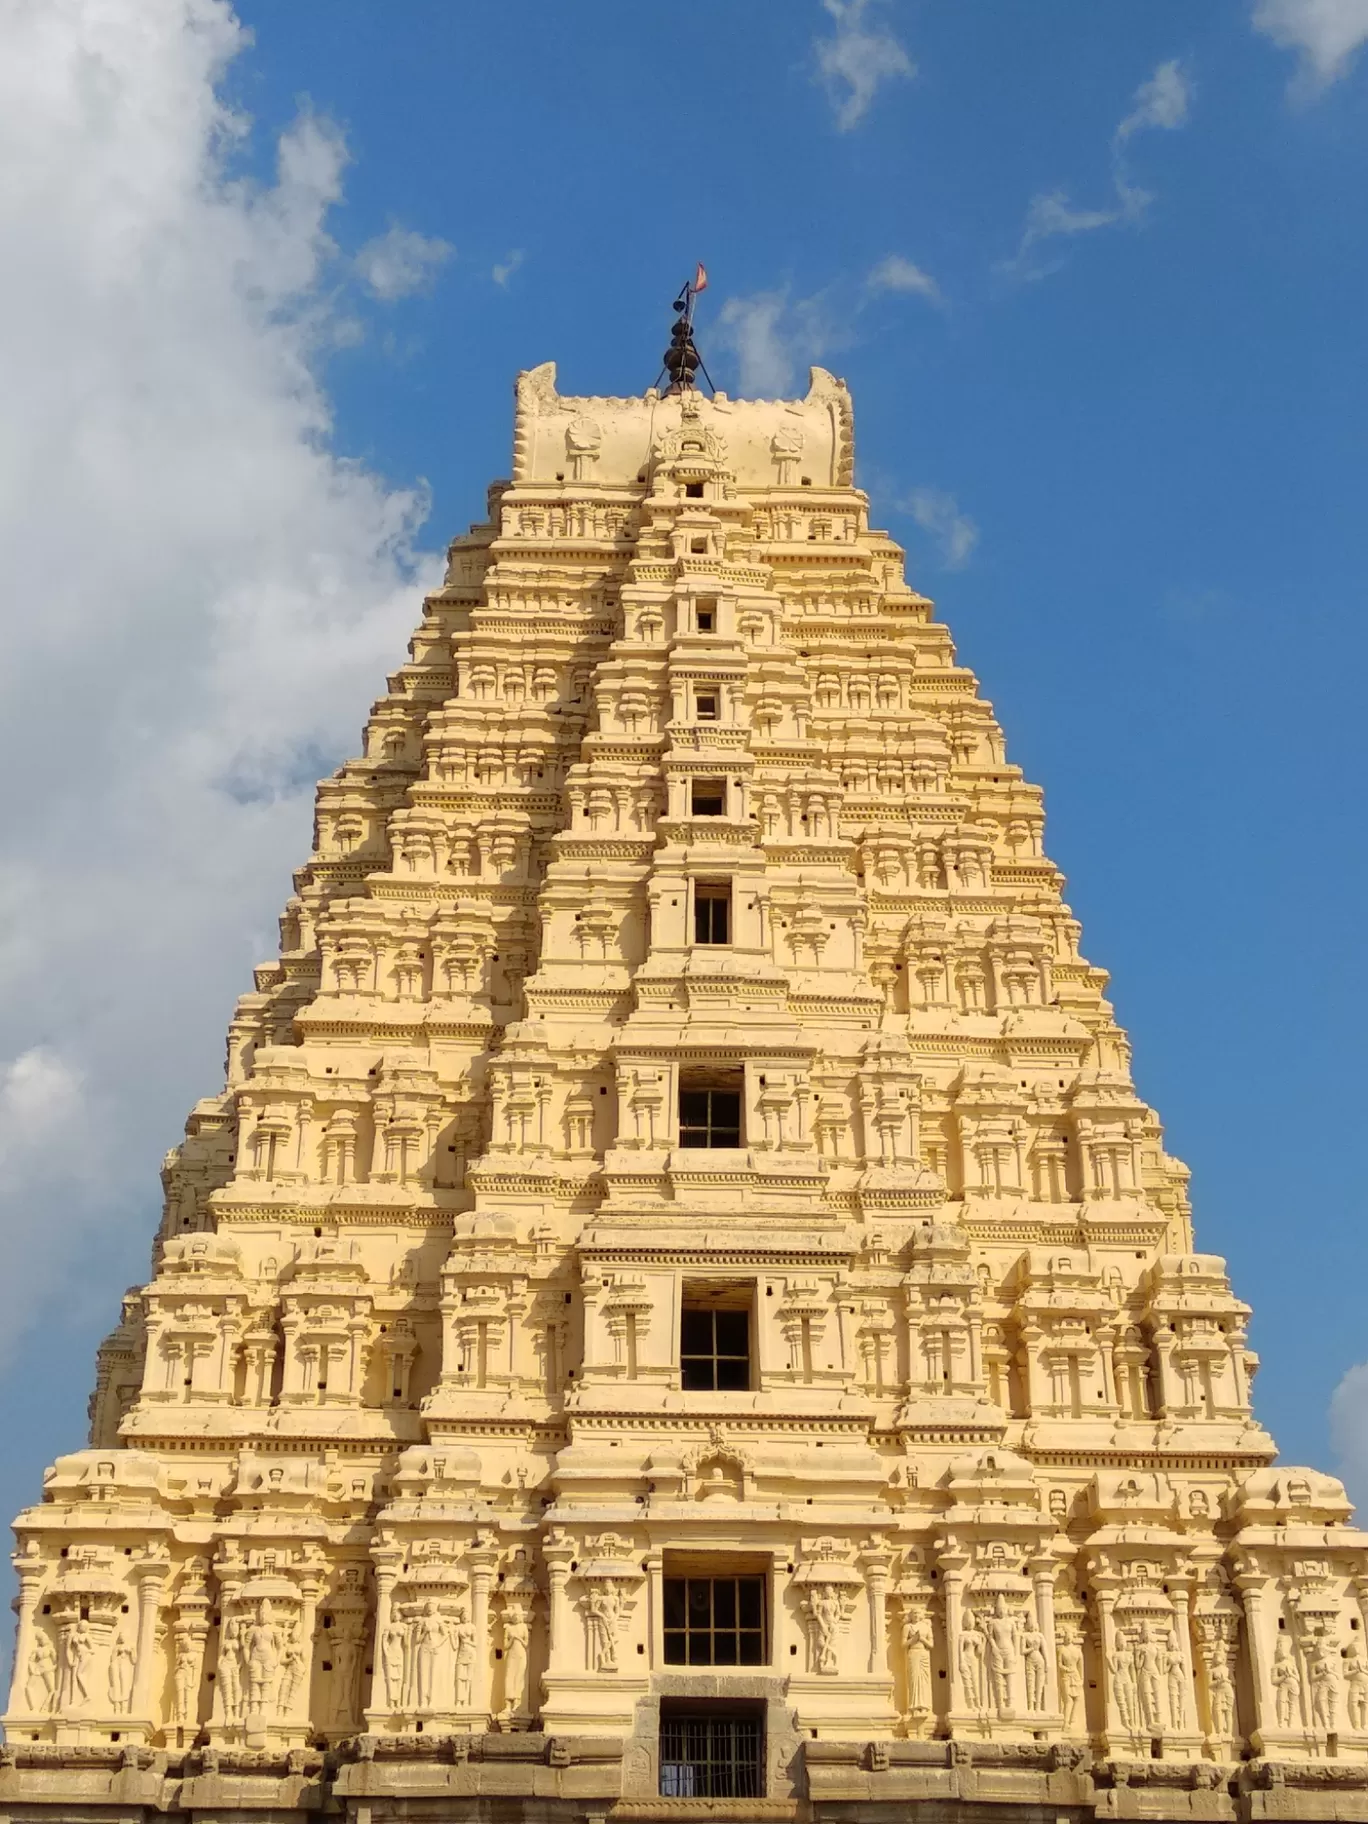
714 1349
712 912
709 1114
714 1621
710 1754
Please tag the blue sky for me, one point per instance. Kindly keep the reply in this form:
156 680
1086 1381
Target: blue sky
1096 278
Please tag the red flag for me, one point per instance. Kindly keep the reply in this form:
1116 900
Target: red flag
700 278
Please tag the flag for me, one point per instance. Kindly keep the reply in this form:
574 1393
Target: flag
700 282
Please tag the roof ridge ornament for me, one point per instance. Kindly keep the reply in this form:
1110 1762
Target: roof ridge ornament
682 360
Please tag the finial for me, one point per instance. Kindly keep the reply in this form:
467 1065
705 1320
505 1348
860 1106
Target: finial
682 359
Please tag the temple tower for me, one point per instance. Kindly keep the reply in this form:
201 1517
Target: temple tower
678 1297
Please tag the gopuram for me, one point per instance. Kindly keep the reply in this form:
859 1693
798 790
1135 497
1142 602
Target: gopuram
678 1309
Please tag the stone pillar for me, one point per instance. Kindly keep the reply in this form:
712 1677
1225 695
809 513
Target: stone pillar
1252 1586
655 1612
481 1575
151 1577
386 1576
952 1561
1111 1717
29 1567
1183 1630
1042 1581
559 1613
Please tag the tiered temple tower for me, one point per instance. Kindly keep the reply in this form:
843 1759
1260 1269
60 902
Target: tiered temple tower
679 1297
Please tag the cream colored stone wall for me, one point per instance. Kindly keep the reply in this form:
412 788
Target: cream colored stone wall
393 1445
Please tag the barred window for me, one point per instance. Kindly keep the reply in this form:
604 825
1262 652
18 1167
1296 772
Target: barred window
712 1753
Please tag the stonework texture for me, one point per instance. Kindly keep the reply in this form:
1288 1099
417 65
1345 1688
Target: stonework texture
679 1243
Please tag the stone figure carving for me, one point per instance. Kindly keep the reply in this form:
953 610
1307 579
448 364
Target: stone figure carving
825 1612
462 1635
517 1633
291 1669
427 1636
185 1675
1069 1658
393 1659
786 446
918 1639
1175 1672
1220 1692
40 1683
120 1675
1287 1683
1035 1664
583 441
348 1634
1122 1679
1000 1643
602 1613
230 1669
262 1643
971 1653
1323 1676
75 1653
1356 1684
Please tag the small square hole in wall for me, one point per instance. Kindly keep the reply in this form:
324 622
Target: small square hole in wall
698 547
693 490
705 706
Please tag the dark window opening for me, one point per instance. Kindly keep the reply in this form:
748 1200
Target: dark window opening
698 547
714 1339
710 1111
708 798
705 615
712 912
693 490
705 706
714 1621
710 1753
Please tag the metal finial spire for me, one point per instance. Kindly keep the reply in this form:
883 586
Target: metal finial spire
682 359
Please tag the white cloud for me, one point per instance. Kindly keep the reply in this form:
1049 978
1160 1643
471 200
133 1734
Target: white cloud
857 59
504 271
896 273
1161 103
772 337
939 513
1326 34
400 261
198 597
1349 1432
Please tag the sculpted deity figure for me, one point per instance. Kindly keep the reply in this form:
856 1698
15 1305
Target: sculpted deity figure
120 1675
824 1613
428 1632
1175 1673
291 1669
1000 1639
262 1643
1323 1674
1035 1663
918 1639
75 1653
40 1683
971 1651
1121 1679
601 1611
393 1656
185 1674
1220 1693
1069 1656
1356 1683
348 1633
1287 1683
1152 1672
230 1669
462 1636
517 1633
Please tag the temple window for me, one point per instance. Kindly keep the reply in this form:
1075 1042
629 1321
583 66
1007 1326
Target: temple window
715 1338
